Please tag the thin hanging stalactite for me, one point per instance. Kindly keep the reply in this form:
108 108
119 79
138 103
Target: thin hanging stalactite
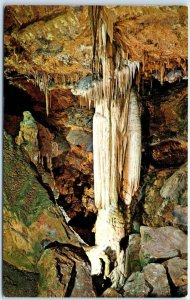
42 81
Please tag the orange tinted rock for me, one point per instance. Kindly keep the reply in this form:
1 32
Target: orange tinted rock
177 269
169 152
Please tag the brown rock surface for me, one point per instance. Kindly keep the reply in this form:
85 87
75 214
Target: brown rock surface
156 276
111 293
177 269
165 198
58 40
82 138
175 187
65 272
172 152
167 111
161 243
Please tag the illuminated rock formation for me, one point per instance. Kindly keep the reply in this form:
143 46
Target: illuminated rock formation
116 132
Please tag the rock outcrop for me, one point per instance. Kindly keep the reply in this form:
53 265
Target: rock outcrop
161 243
32 223
65 272
177 269
155 275
136 286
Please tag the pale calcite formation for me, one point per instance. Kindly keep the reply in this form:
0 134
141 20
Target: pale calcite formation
116 133
28 136
110 228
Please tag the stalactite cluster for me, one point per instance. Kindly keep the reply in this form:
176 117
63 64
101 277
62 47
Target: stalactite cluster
163 64
116 125
46 82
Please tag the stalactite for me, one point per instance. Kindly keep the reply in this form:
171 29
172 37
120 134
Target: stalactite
42 81
162 71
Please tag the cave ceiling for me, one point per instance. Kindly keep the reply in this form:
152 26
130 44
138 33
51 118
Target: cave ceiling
56 41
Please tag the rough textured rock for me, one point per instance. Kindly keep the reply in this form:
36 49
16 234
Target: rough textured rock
175 187
171 152
177 269
79 118
111 293
65 272
161 243
46 150
29 216
17 283
128 262
88 200
174 192
76 137
152 198
133 254
166 110
155 275
165 198
45 39
180 217
28 136
80 159
136 286
164 128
